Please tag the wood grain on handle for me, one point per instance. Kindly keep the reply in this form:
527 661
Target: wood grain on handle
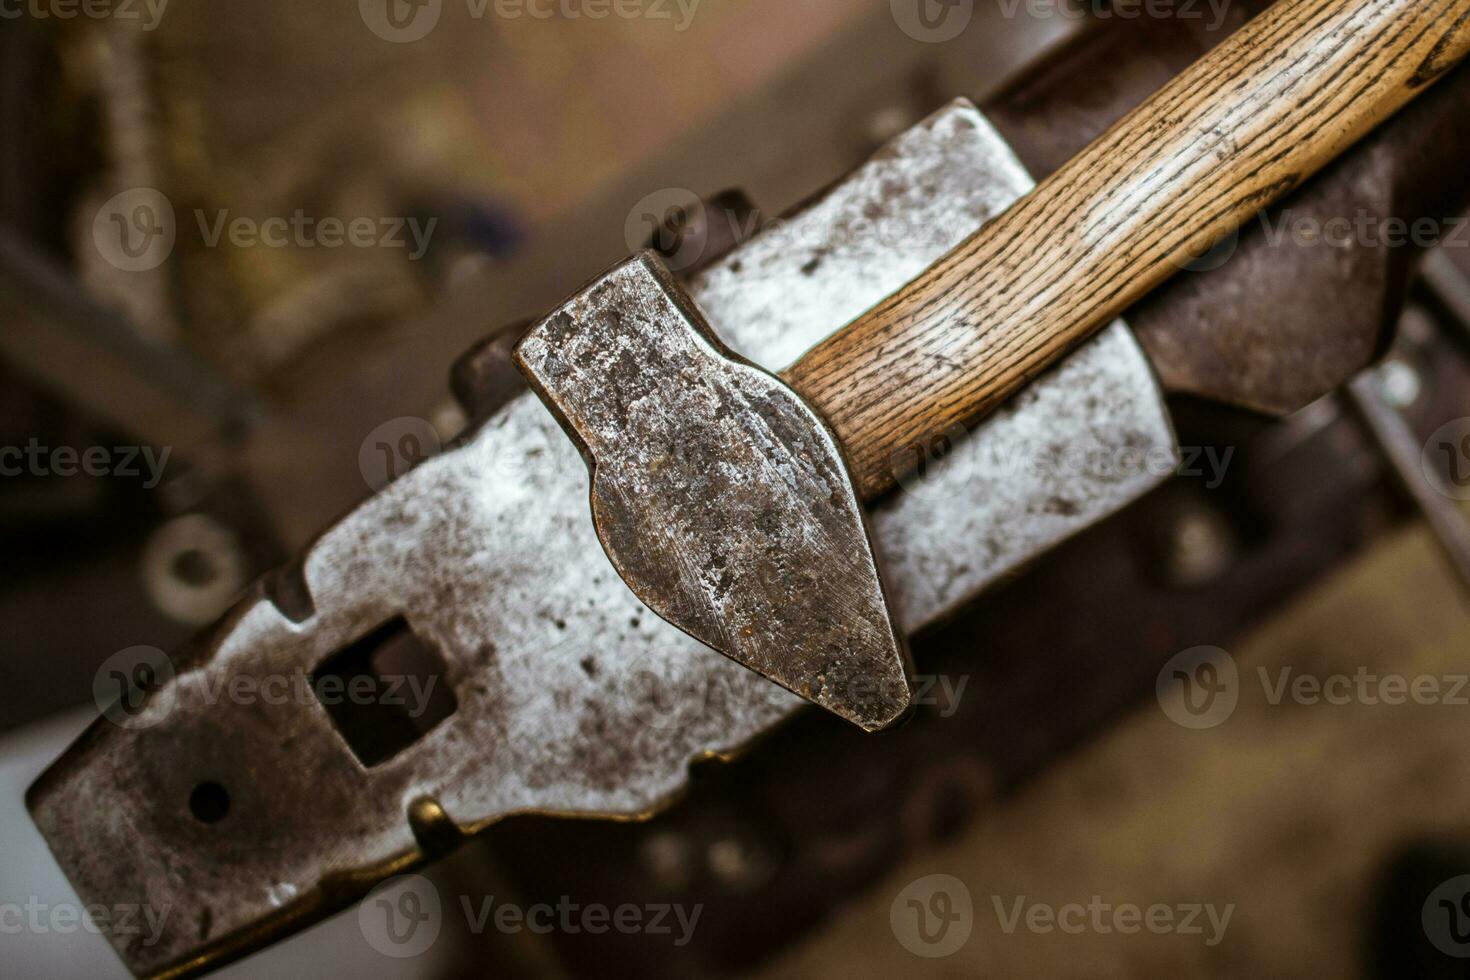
1270 106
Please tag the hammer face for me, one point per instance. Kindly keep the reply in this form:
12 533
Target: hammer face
719 495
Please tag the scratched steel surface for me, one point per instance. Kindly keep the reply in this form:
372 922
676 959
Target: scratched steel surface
721 497
573 698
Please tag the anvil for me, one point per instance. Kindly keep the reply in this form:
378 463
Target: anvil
571 698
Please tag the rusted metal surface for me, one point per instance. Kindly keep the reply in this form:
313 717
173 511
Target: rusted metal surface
721 497
1279 315
572 698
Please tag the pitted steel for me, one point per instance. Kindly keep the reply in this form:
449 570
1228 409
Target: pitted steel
722 498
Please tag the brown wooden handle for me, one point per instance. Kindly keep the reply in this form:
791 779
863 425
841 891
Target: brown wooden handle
1267 108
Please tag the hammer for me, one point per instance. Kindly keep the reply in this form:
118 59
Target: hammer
731 500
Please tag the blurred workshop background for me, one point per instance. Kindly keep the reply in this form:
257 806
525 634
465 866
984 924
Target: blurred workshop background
232 389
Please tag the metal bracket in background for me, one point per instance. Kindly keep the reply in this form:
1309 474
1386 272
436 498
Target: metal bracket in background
56 333
571 697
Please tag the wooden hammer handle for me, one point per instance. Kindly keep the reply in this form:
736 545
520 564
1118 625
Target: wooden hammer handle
1267 108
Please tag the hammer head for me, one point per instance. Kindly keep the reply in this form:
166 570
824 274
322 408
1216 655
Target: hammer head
719 495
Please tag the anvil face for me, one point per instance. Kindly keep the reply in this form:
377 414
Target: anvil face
720 496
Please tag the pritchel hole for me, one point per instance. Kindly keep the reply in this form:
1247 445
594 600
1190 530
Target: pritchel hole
384 692
209 802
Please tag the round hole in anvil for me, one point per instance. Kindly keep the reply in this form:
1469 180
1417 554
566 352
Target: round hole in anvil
209 802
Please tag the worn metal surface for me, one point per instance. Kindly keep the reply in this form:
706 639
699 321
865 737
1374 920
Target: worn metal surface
571 697
721 497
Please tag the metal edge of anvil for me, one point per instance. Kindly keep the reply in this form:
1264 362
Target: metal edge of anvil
489 552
